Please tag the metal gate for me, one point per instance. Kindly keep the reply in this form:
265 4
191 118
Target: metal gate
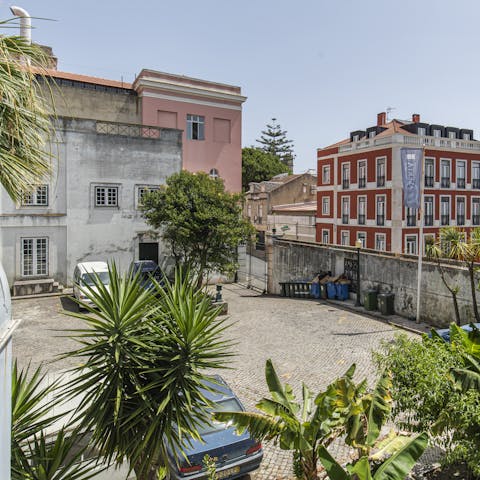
350 270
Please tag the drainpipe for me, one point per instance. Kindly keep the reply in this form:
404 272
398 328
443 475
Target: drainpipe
25 22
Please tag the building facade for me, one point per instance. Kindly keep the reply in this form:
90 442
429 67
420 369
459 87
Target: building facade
360 190
295 221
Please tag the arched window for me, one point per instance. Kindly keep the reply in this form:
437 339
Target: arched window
214 173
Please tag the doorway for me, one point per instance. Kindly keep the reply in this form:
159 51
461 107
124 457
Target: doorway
148 251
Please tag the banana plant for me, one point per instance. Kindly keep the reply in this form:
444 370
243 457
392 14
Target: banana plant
302 427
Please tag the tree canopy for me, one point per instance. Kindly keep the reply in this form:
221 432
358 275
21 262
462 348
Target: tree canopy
274 140
258 165
199 220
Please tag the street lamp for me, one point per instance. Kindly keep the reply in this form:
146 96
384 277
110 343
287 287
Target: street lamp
358 245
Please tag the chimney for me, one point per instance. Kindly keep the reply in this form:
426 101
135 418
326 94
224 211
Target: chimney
381 119
416 118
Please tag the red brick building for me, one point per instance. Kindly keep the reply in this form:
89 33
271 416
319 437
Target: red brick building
360 191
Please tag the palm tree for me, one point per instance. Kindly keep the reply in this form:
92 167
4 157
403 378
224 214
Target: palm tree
143 359
25 124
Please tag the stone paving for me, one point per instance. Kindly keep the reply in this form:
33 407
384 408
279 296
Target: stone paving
308 340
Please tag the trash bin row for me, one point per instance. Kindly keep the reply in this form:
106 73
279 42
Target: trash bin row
383 302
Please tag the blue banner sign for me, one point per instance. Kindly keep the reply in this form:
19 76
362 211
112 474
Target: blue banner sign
412 176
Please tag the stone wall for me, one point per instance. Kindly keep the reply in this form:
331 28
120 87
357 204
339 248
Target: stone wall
290 260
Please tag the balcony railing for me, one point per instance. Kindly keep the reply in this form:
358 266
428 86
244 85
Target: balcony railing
460 219
127 130
411 220
428 220
380 219
361 219
445 182
346 183
362 182
475 219
444 220
345 219
460 183
428 181
380 180
476 183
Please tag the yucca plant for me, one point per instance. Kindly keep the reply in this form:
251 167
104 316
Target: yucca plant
143 357
25 118
37 454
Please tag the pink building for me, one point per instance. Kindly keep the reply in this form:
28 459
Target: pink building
210 115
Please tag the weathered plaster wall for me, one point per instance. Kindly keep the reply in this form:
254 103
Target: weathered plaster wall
291 260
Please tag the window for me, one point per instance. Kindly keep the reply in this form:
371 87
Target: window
356 137
213 173
428 242
325 236
381 210
475 174
345 238
362 236
362 209
445 173
106 196
142 191
428 215
422 131
325 206
380 172
372 134
411 245
460 210
452 134
37 197
444 211
345 209
380 241
460 174
362 174
195 127
411 217
466 136
326 174
476 211
437 133
429 172
346 175
34 256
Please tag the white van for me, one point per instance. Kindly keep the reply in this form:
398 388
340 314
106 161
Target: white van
83 275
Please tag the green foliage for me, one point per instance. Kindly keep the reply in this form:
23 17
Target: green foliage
435 388
142 356
24 117
211 467
36 455
199 221
274 141
258 165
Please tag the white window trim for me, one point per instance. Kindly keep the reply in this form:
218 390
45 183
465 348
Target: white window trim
138 188
434 170
433 208
384 209
364 197
474 163
366 172
342 213
377 161
324 230
449 160
457 161
464 206
449 210
326 201
347 232
33 193
197 119
94 187
378 235
34 255
346 167
326 175
411 235
360 233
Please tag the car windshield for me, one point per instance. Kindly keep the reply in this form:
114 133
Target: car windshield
229 405
88 278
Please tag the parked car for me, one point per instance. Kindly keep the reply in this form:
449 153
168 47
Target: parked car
235 455
149 270
84 275
445 332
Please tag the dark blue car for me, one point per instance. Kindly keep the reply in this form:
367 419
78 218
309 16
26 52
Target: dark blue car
445 332
148 270
235 455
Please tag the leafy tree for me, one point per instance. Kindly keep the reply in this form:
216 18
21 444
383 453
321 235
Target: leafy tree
25 124
274 140
143 356
199 220
258 165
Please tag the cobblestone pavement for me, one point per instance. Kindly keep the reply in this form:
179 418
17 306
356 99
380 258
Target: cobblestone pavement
308 341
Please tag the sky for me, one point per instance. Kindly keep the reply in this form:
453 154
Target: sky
322 68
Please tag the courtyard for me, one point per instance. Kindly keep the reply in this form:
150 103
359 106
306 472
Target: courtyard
308 341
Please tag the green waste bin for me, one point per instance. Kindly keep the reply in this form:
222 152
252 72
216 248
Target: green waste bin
385 303
370 300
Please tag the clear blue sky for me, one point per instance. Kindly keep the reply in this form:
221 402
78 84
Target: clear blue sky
321 67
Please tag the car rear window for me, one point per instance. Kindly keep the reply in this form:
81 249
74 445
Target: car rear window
229 405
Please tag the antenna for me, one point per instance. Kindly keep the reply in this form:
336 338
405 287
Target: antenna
389 109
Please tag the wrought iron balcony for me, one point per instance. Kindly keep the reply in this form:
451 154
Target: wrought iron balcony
460 219
345 219
445 182
460 182
411 220
361 219
428 220
380 219
380 180
428 181
346 183
444 220
475 219
362 182
476 183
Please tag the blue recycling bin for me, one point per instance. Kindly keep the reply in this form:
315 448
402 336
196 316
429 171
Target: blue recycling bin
342 291
315 290
331 290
